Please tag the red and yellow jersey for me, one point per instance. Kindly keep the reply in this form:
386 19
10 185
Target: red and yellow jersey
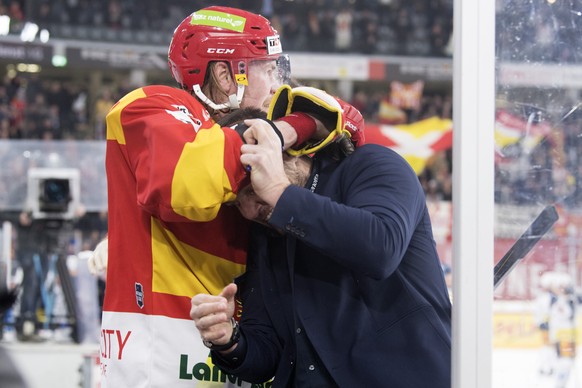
169 170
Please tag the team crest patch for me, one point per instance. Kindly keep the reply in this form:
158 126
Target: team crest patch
139 295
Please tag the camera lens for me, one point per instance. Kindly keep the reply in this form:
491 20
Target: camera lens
55 195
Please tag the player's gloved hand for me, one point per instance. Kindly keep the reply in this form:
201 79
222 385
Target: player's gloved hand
353 122
339 117
98 261
314 102
309 100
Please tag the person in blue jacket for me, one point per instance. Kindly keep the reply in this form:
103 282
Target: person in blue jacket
344 285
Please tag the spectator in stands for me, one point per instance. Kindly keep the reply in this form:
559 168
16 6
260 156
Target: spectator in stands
343 30
32 255
102 106
315 35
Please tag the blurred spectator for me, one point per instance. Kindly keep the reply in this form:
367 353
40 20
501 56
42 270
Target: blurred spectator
15 11
102 106
360 101
17 107
116 18
315 36
292 30
38 117
343 30
369 30
28 249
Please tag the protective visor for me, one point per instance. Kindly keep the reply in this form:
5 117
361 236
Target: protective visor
284 68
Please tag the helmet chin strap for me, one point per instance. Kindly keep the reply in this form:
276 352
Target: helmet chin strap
234 100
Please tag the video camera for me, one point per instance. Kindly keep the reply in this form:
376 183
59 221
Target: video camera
53 193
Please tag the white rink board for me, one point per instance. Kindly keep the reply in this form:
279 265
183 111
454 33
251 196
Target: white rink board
49 365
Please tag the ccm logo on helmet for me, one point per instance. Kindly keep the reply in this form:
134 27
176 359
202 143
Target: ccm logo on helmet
213 50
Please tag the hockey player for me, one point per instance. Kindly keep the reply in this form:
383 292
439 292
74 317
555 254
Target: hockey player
170 168
562 326
556 318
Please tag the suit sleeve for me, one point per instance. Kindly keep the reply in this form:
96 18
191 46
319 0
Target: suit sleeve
259 350
368 223
185 166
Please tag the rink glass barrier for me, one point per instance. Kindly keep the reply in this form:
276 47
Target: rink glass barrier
537 309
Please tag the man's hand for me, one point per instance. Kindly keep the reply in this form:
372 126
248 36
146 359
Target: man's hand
212 314
265 159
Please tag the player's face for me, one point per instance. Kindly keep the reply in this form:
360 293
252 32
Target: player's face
264 80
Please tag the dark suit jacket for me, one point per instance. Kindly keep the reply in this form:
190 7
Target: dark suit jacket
359 266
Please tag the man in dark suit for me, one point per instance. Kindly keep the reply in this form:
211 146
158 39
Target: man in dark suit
345 287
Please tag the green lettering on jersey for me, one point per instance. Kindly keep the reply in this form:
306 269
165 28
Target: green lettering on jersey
184 375
204 372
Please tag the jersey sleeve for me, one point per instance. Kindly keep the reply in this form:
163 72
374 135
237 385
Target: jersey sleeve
184 164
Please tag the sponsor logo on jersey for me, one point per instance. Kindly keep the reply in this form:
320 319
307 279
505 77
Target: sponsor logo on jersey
139 295
207 372
183 114
113 342
218 19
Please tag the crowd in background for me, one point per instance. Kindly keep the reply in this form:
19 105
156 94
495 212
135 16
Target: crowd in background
33 108
396 27
382 27
539 31
36 108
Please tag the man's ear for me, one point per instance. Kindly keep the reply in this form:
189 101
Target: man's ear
223 77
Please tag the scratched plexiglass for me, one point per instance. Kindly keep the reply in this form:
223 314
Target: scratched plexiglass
538 164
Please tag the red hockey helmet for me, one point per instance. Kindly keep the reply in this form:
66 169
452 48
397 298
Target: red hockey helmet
220 34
